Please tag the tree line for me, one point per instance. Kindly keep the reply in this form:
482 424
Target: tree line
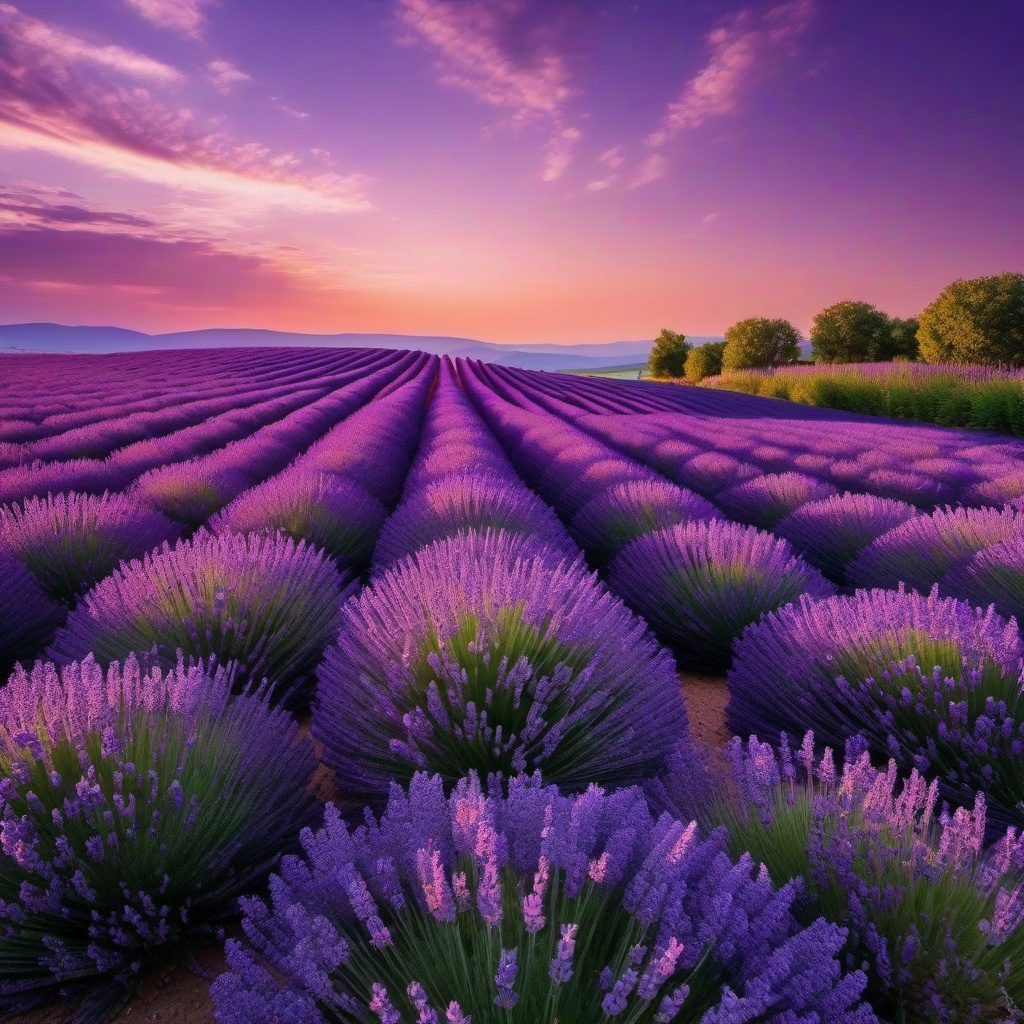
979 321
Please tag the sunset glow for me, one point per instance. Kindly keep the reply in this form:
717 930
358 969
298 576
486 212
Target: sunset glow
508 170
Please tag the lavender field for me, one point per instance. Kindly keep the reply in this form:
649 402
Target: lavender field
371 672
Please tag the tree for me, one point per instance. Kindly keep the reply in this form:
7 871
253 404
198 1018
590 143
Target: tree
980 320
758 342
704 361
902 340
668 357
849 332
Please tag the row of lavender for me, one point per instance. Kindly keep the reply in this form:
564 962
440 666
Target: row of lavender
496 651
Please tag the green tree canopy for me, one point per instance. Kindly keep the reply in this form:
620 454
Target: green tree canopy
758 342
668 357
902 340
850 332
704 361
980 320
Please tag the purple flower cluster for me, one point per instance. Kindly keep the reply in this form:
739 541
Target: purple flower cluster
701 584
545 906
493 652
932 682
264 604
938 924
134 809
329 511
922 550
69 542
830 532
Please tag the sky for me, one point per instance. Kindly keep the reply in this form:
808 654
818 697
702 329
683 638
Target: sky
516 171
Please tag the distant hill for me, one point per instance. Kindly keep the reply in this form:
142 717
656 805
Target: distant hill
62 338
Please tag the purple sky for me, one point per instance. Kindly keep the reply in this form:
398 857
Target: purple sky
510 170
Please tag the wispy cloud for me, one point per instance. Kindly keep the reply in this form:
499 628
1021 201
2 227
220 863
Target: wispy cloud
744 49
609 163
709 217
651 168
68 48
225 76
509 54
279 104
48 104
182 16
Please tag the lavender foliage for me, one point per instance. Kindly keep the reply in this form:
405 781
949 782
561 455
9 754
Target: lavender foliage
625 511
764 500
69 542
938 923
135 807
495 653
463 501
924 549
994 576
532 907
700 585
267 605
931 682
28 619
830 532
327 510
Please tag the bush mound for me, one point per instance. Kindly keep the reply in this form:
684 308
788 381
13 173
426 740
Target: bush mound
700 585
510 658
266 605
136 807
69 542
532 907
931 682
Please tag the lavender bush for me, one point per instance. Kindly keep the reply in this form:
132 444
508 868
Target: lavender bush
924 549
264 604
995 575
535 907
939 925
69 542
134 809
830 532
326 509
700 585
509 657
931 682
764 500
462 501
625 511
28 619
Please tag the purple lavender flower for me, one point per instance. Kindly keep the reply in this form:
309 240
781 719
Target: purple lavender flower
69 542
461 502
326 510
764 500
700 585
265 604
620 514
134 808
510 657
830 532
938 924
674 913
921 551
931 682
994 576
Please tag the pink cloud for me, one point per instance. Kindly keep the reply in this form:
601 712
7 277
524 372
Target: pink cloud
745 49
225 76
182 16
511 54
68 48
47 104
